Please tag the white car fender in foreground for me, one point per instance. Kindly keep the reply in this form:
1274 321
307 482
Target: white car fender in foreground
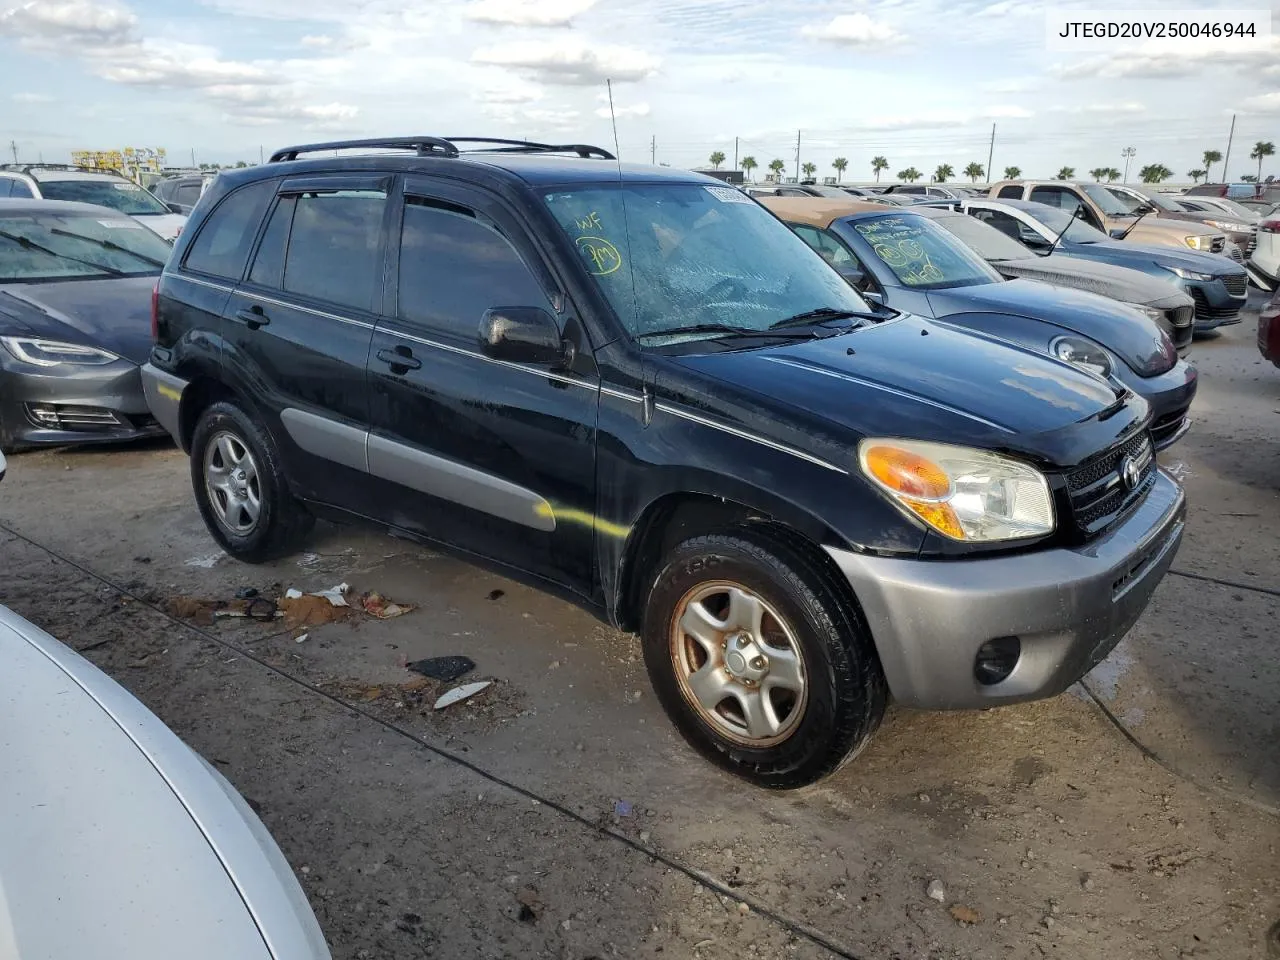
117 841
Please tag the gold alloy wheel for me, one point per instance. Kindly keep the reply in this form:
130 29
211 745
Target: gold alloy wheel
738 664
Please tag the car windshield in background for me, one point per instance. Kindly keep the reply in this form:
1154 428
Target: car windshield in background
671 256
1107 201
824 191
122 195
922 254
990 243
1230 206
1134 200
1077 230
49 247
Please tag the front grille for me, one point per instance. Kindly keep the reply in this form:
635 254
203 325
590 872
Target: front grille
1098 491
1236 253
1206 312
1236 286
1251 244
1166 425
1182 323
1218 243
63 417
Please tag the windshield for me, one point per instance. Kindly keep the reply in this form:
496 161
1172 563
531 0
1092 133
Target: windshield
122 195
1058 220
1133 200
1235 209
1107 201
686 254
824 191
55 247
986 240
922 254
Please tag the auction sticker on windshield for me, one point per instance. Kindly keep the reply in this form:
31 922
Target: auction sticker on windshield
127 187
122 225
728 195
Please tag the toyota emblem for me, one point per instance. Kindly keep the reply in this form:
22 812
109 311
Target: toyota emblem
1130 473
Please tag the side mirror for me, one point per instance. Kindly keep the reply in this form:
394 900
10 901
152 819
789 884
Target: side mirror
1117 233
1033 240
873 297
177 208
853 275
524 335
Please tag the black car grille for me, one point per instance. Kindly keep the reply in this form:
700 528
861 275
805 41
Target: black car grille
1236 286
1098 490
1206 312
64 417
1182 323
1236 253
1251 244
1218 243
1166 425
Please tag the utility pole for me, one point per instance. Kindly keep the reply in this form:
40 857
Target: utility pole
1128 154
735 153
797 156
991 177
1227 158
193 156
260 159
653 149
13 145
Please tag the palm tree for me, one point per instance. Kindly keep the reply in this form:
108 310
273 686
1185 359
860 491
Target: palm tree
1263 148
809 169
1066 173
878 164
840 165
717 158
911 174
1112 174
973 171
1098 173
1154 173
1195 175
942 172
749 164
1012 173
777 166
1210 158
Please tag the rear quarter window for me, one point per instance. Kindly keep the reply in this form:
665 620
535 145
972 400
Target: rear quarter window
221 248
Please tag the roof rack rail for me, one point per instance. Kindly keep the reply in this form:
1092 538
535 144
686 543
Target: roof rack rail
495 145
24 167
421 145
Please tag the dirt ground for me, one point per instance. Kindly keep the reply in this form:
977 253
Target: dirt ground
557 815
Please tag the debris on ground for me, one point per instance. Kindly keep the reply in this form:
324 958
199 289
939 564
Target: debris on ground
301 637
246 593
257 608
936 891
530 905
444 669
206 562
376 605
497 594
965 916
206 611
311 610
336 595
622 808
458 694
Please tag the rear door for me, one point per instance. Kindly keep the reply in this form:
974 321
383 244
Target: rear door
493 457
300 324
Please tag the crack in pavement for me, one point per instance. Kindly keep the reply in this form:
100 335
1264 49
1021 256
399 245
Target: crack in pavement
722 889
1267 591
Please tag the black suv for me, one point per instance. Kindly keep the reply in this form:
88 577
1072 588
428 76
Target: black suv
635 387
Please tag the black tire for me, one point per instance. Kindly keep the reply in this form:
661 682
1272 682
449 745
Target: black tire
282 521
846 693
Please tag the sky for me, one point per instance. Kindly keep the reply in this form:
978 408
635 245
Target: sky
920 82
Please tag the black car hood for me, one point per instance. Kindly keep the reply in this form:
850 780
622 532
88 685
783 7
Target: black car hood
113 313
1131 335
912 378
1094 276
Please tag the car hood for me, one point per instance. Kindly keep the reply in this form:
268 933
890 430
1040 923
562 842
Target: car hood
1117 250
1104 279
149 858
168 225
113 313
1132 335
912 378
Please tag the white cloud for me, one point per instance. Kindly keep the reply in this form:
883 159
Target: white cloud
854 29
1267 103
1011 85
1157 61
528 13
571 61
1007 112
31 98
635 110
326 116
1119 107
49 20
317 40
508 96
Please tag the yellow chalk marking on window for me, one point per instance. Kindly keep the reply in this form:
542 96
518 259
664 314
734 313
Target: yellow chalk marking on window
602 256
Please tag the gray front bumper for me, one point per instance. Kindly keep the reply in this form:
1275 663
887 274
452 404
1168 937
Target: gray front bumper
163 392
1068 607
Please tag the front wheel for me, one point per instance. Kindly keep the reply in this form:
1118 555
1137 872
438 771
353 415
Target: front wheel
240 488
762 663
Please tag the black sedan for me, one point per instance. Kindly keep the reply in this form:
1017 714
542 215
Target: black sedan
75 323
908 262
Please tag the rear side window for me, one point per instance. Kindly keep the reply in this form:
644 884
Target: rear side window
268 265
21 191
188 193
335 247
222 246
1011 192
454 267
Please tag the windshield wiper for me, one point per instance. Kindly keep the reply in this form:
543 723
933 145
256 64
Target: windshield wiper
108 245
27 243
819 315
724 330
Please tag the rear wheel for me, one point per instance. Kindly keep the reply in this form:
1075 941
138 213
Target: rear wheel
240 489
760 659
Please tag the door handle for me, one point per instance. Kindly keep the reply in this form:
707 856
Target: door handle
252 317
401 359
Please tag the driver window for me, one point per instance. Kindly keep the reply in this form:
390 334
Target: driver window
827 245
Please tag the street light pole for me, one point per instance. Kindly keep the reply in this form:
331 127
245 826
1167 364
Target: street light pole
1128 154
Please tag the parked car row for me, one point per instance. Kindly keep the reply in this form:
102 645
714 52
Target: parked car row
104 188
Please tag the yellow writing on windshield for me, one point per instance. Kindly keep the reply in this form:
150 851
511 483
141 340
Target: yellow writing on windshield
602 256
590 222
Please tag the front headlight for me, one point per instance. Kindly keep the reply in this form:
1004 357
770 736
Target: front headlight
1152 312
1229 226
962 493
1084 354
50 353
1190 274
1199 243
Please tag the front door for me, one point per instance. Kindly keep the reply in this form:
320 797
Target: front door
493 457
